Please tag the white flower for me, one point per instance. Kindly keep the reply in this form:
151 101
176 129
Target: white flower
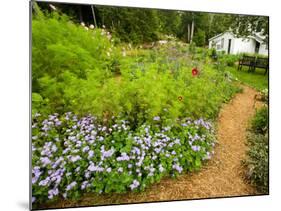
92 26
82 24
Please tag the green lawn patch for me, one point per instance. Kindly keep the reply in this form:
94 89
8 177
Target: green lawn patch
255 79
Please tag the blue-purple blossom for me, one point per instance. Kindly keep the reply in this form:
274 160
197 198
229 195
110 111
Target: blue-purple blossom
93 167
195 148
52 193
123 157
56 164
156 118
178 168
161 169
134 185
91 154
75 158
45 161
71 186
86 149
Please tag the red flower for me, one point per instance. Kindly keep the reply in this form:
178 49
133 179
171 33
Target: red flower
194 71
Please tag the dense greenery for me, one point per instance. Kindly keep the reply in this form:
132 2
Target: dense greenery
257 160
83 71
138 25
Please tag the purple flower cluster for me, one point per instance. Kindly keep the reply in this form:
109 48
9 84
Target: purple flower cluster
75 154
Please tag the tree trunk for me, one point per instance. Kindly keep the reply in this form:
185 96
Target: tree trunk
188 33
94 16
192 31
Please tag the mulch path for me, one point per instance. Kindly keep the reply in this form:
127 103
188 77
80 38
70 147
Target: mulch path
222 176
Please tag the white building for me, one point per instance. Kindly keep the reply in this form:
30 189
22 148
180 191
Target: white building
231 44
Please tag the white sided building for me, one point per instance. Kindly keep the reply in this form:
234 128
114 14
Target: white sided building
231 44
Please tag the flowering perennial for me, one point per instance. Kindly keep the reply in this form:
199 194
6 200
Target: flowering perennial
73 155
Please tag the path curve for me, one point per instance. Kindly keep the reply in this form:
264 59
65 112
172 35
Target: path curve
221 176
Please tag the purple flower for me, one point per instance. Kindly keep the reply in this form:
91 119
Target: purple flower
92 168
178 168
134 185
45 161
195 148
86 149
71 185
161 169
123 157
75 158
84 185
106 154
91 154
156 118
33 199
52 193
44 182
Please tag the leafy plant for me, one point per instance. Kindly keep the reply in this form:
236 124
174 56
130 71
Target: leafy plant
73 155
260 121
257 155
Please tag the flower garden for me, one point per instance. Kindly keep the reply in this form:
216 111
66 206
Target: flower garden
109 117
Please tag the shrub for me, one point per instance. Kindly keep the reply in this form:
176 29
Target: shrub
229 60
260 121
65 55
73 155
257 162
78 73
257 155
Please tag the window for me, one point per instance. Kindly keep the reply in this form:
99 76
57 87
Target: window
222 42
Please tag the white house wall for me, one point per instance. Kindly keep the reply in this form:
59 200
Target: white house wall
226 36
238 45
263 49
244 46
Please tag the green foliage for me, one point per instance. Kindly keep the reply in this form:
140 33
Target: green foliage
68 59
129 24
74 155
257 156
82 71
200 38
260 121
229 59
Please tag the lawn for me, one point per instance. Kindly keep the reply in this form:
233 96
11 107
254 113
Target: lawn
255 79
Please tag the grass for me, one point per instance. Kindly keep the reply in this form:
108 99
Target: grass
255 79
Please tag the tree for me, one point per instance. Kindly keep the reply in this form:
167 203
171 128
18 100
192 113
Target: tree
245 25
192 23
